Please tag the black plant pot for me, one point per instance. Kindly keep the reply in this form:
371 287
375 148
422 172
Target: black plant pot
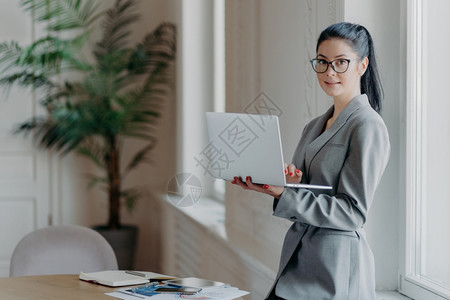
123 242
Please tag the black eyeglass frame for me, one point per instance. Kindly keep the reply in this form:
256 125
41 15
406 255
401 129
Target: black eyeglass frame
312 61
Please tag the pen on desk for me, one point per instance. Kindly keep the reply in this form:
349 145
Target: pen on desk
135 273
131 294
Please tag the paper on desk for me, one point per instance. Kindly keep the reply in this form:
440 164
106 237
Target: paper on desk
221 293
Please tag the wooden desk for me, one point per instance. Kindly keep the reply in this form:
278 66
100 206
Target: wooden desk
49 287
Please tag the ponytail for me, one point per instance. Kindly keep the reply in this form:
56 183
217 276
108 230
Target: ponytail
361 41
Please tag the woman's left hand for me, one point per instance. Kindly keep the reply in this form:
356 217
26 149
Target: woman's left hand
272 190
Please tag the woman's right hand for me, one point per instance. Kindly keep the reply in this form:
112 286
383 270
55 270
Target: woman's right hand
293 175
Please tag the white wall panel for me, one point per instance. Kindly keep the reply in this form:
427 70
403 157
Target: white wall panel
24 171
17 218
17 167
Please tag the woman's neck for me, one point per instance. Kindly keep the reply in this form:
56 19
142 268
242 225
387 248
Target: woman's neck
340 103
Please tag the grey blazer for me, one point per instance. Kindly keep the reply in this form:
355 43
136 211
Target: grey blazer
325 253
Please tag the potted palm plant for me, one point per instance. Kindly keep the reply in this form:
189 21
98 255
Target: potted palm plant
97 95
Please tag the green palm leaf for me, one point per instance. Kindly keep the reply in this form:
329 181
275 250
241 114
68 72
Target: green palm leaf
131 196
94 152
139 157
94 180
25 79
63 14
116 27
9 55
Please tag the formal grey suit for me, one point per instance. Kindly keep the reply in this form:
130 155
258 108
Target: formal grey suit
325 253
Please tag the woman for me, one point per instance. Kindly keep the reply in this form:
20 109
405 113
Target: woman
325 253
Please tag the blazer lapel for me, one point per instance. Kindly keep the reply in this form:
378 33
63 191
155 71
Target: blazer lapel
323 137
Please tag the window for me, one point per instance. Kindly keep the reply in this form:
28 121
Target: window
219 74
201 88
426 272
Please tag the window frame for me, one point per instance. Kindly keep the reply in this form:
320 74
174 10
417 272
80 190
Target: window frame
219 78
410 281
199 88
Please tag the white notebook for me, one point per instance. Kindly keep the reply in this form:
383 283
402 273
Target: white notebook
113 278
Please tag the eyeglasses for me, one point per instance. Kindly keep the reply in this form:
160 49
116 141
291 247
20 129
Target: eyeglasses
339 65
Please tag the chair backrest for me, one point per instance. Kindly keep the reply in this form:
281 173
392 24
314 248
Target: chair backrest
62 249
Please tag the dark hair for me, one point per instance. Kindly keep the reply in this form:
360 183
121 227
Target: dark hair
360 40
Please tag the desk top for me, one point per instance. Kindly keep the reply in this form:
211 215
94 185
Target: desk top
50 287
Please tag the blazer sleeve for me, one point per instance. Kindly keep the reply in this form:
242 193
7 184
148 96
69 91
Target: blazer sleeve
361 172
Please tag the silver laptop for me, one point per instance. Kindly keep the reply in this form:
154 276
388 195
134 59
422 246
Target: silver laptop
247 145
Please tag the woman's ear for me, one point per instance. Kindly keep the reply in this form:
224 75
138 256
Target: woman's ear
363 66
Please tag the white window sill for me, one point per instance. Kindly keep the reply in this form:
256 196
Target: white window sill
208 212
391 295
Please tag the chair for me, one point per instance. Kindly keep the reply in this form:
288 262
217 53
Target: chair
62 249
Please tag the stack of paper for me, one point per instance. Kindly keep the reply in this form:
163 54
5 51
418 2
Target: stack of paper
216 291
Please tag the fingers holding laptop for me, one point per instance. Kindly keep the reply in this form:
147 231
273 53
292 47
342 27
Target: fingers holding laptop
293 175
272 190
